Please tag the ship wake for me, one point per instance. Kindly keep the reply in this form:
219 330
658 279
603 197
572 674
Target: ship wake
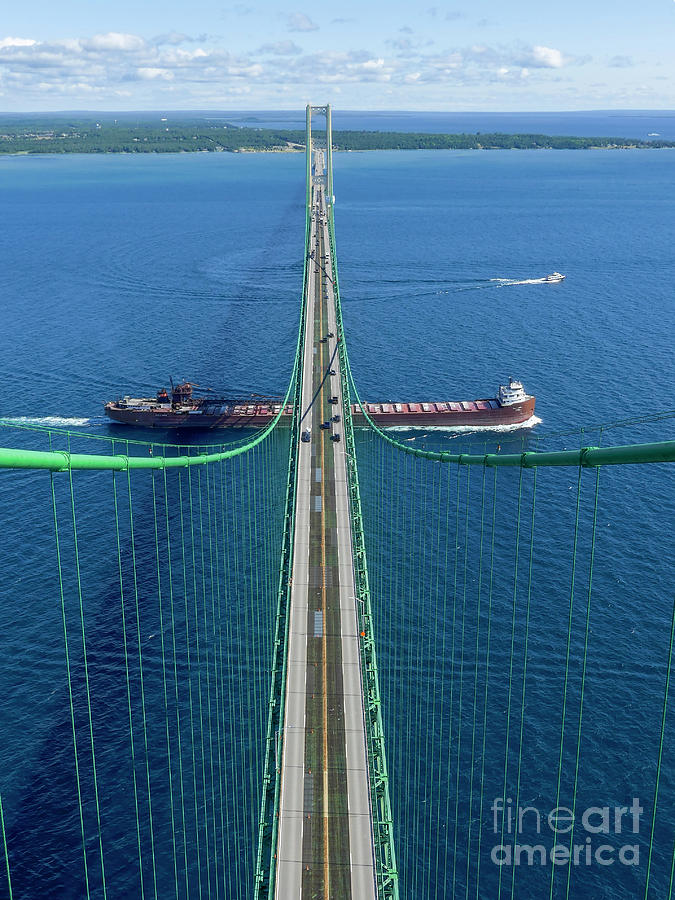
508 282
468 429
56 421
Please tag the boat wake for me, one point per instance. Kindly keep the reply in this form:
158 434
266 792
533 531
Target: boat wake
55 421
468 429
507 282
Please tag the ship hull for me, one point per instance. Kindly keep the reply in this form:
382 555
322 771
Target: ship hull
478 413
152 418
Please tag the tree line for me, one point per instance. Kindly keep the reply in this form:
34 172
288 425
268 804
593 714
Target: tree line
43 134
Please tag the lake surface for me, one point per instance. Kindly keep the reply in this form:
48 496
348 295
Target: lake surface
119 272
641 124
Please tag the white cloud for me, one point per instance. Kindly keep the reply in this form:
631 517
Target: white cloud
200 72
300 22
281 48
114 40
16 42
251 71
148 73
547 57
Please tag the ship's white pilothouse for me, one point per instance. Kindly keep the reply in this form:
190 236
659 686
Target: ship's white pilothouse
512 393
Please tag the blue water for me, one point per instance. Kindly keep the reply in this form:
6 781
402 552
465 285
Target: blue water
596 123
119 272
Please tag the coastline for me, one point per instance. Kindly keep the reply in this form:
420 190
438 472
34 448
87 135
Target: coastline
46 135
271 150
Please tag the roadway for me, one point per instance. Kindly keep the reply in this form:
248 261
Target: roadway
325 838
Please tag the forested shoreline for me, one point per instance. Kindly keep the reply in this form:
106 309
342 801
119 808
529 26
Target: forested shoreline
44 134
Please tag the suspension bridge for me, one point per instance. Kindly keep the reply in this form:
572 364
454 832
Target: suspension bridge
320 662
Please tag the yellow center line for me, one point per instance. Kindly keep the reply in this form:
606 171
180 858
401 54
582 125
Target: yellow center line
324 603
325 618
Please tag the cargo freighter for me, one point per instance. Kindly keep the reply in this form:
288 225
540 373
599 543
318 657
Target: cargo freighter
184 408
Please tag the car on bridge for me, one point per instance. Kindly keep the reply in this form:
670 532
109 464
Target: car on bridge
306 435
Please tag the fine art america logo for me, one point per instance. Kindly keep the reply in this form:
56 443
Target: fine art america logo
585 848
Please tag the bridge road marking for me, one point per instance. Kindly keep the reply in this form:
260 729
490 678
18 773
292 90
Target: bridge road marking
324 643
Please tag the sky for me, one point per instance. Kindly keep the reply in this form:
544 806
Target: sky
370 55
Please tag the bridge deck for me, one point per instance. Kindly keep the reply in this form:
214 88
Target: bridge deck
325 845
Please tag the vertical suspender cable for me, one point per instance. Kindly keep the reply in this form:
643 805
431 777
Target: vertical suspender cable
461 675
525 649
583 672
510 690
205 646
86 682
216 600
199 683
188 658
567 658
4 844
475 678
70 684
128 686
487 678
669 663
452 672
165 689
169 551
142 682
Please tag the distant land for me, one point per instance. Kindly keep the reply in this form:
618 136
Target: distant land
71 134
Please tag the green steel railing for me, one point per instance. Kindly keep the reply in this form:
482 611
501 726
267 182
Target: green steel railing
383 821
